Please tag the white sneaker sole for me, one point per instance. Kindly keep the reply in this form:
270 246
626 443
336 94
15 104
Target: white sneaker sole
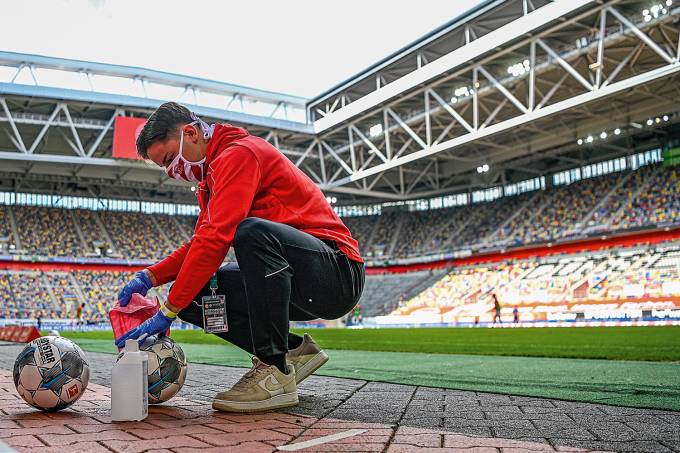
310 367
275 402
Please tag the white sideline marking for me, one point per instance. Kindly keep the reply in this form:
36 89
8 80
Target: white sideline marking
321 440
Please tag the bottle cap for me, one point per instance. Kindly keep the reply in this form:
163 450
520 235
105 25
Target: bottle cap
131 346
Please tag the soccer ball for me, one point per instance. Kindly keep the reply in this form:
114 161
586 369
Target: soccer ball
167 367
51 373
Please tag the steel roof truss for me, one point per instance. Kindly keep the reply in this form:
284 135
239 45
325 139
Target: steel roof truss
569 68
43 131
521 119
640 34
77 146
17 140
335 156
450 110
368 143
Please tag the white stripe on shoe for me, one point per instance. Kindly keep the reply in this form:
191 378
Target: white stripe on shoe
310 367
275 402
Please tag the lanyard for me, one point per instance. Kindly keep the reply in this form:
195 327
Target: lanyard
213 289
214 310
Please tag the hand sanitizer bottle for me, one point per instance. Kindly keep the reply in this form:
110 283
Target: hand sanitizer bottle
129 384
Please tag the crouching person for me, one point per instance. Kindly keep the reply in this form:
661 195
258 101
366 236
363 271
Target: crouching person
296 260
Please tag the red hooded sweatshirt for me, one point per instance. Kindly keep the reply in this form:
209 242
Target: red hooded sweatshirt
246 177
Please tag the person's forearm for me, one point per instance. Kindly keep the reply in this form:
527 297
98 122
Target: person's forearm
172 308
166 270
152 277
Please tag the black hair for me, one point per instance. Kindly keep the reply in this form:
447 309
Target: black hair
165 120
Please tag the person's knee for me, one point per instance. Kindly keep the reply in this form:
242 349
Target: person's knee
250 229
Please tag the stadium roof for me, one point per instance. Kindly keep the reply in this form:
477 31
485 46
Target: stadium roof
131 86
149 75
411 47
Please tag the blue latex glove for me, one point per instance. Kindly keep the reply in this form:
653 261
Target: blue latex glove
157 324
140 284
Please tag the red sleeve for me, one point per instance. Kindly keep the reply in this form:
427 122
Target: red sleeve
235 177
167 269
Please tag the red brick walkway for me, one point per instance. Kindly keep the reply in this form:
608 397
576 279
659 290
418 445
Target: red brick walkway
183 425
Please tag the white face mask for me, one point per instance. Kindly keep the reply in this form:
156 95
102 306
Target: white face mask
182 169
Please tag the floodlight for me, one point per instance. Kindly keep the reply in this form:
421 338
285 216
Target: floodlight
463 91
518 69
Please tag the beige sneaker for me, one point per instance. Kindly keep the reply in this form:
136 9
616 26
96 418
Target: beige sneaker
306 358
262 388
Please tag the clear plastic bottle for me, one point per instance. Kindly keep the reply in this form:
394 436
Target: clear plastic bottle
129 384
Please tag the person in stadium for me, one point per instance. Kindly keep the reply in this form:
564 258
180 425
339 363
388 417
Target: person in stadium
80 316
296 259
497 309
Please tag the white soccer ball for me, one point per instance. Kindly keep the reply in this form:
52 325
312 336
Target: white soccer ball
51 373
167 367
54 333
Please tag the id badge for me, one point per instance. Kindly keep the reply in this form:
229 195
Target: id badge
215 314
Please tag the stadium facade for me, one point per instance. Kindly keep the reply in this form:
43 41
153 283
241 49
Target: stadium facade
518 124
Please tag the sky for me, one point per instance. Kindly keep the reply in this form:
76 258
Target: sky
297 47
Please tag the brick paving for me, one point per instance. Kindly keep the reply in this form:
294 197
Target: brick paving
395 418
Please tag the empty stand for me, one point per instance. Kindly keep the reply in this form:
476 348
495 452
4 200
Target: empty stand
614 283
382 293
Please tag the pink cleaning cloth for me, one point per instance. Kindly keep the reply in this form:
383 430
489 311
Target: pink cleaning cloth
138 310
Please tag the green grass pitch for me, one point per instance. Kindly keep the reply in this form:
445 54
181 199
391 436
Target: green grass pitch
628 366
611 343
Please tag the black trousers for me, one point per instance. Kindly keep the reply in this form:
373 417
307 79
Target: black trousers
282 275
